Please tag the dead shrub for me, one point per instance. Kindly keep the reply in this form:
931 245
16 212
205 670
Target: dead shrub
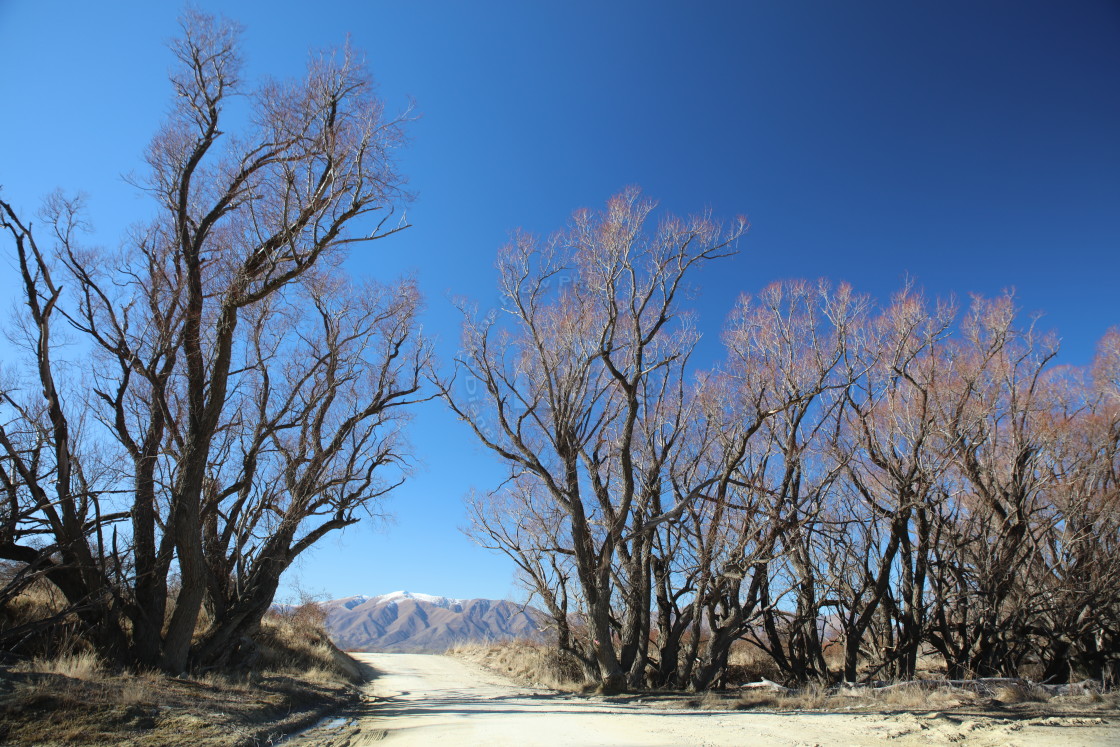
814 695
810 697
714 701
35 623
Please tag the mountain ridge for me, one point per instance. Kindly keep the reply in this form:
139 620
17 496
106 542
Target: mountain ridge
412 622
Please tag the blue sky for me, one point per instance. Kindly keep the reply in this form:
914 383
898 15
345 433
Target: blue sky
972 145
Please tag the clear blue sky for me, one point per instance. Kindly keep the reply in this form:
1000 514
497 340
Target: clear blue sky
973 145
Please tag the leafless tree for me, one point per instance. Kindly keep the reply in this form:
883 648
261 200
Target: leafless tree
1075 606
522 522
179 327
583 393
887 481
893 476
800 341
309 442
791 351
997 425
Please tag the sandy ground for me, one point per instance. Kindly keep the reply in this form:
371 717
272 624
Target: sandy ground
436 700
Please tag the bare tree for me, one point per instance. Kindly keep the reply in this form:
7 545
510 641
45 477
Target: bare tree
309 443
894 477
1075 606
584 394
54 522
522 522
889 482
242 222
997 426
791 351
800 339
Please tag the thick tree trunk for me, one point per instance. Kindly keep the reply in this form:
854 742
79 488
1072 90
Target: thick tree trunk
241 620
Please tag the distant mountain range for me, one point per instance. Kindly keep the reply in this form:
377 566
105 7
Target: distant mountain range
404 622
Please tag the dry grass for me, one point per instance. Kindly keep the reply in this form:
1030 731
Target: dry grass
1024 693
810 698
532 663
747 663
914 696
296 641
21 624
84 665
536 664
40 599
75 699
917 697
760 699
1094 700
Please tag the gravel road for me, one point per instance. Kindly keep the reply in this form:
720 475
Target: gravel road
419 699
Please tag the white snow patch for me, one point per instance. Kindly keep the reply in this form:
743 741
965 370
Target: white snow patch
444 602
354 601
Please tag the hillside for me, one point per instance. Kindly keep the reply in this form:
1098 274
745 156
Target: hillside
420 623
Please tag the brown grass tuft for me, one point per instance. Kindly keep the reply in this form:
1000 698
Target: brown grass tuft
85 665
916 697
34 623
752 699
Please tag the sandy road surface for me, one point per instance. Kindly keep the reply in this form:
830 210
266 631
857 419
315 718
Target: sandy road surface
436 700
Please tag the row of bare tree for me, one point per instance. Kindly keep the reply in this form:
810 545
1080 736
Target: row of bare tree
229 395
892 481
889 480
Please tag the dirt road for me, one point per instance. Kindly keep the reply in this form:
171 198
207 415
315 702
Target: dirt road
437 700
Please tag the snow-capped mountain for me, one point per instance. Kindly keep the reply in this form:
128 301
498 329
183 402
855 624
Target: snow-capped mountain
403 621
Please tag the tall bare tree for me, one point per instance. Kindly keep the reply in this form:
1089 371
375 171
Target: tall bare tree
313 438
179 324
894 476
998 428
791 351
583 388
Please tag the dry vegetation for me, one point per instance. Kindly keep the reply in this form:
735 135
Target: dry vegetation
1008 700
856 485
751 688
531 663
68 695
237 399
